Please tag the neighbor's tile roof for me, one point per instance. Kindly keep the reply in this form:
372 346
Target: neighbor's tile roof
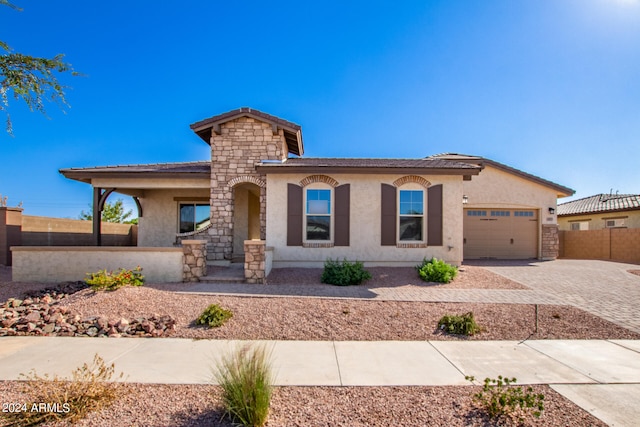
600 203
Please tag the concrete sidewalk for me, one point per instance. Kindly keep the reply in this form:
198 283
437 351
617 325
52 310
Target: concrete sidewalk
601 376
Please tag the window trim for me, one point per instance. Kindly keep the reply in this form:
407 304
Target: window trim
312 242
411 187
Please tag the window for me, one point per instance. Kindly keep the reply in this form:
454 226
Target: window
411 218
476 213
318 214
523 213
500 213
613 223
194 216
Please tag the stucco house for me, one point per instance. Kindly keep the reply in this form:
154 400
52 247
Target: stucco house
599 212
258 185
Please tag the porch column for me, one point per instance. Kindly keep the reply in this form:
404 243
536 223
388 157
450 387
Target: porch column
97 217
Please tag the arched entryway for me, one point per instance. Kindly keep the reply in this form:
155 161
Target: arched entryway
246 217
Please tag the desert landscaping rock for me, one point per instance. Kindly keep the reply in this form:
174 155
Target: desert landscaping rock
43 315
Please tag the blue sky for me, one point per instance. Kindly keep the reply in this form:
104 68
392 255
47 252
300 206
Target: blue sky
551 87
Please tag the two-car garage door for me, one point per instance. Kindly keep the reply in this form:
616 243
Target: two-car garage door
500 233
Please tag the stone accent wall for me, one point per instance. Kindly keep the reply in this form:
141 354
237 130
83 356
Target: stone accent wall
241 144
194 263
254 261
550 242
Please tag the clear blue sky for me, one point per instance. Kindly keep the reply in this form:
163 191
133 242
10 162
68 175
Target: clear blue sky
551 87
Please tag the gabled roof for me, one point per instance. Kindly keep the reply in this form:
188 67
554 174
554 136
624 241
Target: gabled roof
200 169
370 165
600 203
561 190
292 131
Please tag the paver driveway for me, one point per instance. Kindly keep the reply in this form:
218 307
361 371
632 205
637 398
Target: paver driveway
603 288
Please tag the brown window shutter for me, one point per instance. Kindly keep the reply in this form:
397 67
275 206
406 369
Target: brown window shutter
342 210
388 217
294 215
434 215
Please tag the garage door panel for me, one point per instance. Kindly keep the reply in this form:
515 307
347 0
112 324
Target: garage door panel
500 233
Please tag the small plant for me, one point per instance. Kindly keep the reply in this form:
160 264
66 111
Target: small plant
464 324
104 280
214 316
499 398
50 400
247 384
344 273
436 270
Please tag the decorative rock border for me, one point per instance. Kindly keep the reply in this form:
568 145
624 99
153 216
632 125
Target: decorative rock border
42 316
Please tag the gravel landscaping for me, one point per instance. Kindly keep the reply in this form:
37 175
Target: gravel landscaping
294 318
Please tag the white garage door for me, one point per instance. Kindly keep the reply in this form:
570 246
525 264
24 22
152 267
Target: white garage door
500 233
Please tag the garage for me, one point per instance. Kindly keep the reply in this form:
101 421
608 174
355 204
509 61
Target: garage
500 233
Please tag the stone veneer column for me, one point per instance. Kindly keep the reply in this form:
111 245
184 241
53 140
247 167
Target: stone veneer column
550 241
254 261
241 144
194 262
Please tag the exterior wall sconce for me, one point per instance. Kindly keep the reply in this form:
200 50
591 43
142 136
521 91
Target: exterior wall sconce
552 211
465 199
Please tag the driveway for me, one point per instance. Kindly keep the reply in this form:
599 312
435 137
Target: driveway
603 288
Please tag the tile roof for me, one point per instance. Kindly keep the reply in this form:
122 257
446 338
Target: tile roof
369 165
562 190
600 203
188 169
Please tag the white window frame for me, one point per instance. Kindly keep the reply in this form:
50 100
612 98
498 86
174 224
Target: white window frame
412 187
331 215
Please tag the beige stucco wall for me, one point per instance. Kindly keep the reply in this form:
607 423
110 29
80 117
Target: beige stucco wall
494 188
597 221
57 264
364 224
159 224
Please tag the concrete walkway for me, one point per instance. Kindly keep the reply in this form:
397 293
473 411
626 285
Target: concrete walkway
601 376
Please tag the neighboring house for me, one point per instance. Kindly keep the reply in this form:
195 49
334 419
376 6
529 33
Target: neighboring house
599 212
380 211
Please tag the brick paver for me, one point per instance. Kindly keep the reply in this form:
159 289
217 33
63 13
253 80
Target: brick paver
603 288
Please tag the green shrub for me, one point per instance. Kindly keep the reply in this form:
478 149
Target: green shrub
247 384
104 280
344 273
436 270
90 389
460 325
214 316
499 398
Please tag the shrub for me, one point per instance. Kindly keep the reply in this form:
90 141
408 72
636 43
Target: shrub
214 316
344 273
464 324
104 280
499 398
436 270
247 384
88 390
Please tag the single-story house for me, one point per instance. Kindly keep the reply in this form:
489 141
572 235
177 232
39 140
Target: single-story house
258 185
600 212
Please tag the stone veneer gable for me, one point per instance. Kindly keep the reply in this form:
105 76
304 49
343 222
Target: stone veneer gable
241 144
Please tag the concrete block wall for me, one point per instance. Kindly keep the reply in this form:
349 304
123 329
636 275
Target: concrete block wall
617 244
